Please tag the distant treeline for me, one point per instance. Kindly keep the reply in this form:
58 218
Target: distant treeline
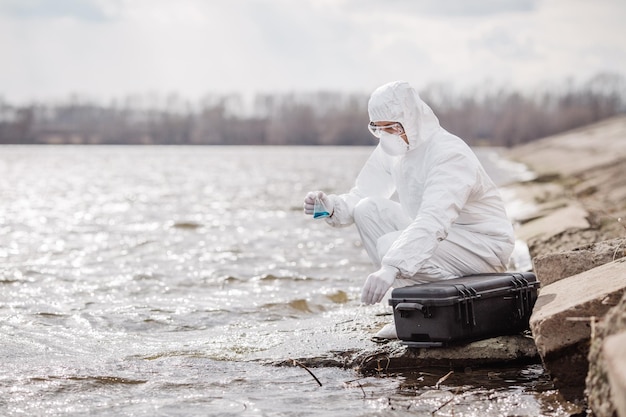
485 115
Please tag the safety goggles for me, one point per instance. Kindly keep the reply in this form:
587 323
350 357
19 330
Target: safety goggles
394 129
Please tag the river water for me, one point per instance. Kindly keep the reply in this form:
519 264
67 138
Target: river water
151 281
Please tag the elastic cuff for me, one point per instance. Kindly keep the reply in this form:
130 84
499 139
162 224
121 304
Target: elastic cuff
390 269
332 219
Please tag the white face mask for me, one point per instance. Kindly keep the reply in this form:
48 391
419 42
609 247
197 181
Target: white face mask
393 145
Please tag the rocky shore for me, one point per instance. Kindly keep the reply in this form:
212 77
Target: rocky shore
574 223
576 234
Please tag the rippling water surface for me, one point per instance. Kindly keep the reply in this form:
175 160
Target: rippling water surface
172 280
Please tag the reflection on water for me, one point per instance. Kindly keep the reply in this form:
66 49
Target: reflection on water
167 280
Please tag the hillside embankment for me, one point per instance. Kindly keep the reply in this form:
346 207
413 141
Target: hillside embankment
576 234
579 192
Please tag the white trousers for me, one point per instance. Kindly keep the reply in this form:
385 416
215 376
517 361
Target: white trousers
380 221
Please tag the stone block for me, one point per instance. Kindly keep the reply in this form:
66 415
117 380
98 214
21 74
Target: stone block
493 351
555 266
605 358
562 319
615 358
571 216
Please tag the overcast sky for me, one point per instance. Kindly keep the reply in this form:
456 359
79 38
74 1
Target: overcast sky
101 49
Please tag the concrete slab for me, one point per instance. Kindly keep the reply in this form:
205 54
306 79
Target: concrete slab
571 216
598 387
563 312
497 350
562 322
555 266
614 350
575 151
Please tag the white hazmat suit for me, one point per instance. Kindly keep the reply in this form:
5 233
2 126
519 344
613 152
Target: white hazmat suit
427 212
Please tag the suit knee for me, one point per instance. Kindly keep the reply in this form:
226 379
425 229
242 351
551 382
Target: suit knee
373 207
364 209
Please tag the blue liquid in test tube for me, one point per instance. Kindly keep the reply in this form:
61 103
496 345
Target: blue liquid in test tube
319 210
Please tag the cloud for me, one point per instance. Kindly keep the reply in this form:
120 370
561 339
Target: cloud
473 8
447 8
88 10
505 43
112 48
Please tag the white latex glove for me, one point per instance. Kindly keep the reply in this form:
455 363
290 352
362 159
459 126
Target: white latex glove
309 202
377 284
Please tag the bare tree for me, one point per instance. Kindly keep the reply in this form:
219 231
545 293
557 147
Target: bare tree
486 114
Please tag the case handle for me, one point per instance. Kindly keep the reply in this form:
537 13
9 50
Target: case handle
410 307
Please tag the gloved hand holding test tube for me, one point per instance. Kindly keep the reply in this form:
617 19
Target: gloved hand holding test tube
317 204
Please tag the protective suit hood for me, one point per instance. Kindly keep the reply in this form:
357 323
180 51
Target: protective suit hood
399 102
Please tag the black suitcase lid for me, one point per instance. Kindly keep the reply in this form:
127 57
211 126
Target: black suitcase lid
452 291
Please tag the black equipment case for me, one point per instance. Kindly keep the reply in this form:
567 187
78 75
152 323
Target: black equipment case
464 309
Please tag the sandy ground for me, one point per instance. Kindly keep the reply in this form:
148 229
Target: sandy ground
579 194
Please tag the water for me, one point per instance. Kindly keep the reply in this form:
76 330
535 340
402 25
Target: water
174 281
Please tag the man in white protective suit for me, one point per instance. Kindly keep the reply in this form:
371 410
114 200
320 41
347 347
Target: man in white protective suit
423 205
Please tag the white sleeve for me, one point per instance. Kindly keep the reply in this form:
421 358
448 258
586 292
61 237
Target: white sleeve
373 180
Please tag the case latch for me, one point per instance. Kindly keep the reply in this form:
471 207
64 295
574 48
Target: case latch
523 293
465 307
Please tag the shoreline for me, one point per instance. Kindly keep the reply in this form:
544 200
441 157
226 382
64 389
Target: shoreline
573 219
578 195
